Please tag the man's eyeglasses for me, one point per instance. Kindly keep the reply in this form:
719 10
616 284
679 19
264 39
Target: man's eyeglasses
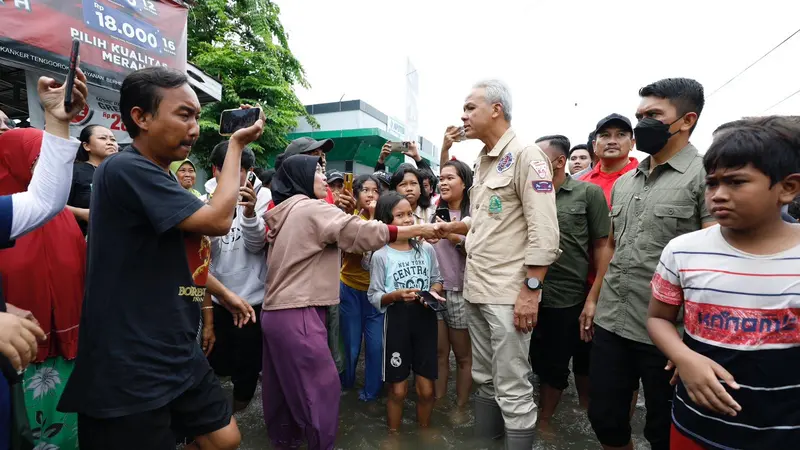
10 123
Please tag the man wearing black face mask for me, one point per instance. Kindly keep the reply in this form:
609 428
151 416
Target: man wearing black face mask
658 201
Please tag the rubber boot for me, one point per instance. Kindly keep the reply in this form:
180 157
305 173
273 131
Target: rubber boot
489 423
520 439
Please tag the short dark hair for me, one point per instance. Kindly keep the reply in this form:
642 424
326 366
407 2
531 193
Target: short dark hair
266 176
581 147
142 88
397 178
730 125
770 144
590 143
685 94
220 150
558 141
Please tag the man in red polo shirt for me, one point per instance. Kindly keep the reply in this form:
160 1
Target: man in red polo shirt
613 142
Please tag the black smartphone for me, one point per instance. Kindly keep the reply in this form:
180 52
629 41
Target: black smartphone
443 213
236 119
251 177
73 70
431 302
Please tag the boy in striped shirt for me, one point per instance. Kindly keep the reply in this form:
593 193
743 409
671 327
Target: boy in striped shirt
738 364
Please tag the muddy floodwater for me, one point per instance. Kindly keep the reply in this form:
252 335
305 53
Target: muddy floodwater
362 426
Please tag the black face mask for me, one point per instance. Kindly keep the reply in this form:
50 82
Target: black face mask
652 135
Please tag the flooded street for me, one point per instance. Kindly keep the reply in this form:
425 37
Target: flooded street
362 426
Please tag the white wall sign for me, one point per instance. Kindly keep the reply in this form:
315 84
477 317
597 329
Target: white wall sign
102 108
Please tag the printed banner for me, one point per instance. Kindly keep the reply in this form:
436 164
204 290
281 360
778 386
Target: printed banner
102 108
117 36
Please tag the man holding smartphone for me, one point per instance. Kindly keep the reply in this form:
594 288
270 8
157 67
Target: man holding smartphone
239 262
140 377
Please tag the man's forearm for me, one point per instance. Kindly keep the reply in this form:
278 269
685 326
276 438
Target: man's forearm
537 272
208 310
254 233
602 258
215 287
226 194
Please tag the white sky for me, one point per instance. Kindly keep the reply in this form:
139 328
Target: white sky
568 63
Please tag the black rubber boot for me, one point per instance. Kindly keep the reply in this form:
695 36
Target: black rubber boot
489 423
520 439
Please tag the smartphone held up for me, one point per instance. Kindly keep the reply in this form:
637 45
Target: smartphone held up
348 182
233 120
73 71
400 147
443 213
251 178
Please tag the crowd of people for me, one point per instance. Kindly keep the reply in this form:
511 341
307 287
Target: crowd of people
127 293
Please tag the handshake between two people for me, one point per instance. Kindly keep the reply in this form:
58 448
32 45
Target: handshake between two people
433 232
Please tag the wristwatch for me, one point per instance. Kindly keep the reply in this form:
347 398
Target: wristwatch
533 284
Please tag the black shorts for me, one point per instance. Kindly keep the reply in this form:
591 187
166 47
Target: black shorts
410 334
202 409
555 340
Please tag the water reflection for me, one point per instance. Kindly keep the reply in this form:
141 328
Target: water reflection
362 426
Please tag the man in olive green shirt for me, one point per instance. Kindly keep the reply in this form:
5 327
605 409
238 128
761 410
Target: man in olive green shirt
661 199
584 223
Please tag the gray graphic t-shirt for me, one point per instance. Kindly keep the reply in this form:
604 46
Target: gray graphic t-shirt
392 269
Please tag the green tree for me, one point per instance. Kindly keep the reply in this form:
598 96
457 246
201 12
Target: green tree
243 44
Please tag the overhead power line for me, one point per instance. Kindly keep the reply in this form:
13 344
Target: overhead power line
753 64
786 98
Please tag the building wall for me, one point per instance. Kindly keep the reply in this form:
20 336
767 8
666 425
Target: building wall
344 120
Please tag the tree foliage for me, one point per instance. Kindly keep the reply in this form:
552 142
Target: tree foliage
243 44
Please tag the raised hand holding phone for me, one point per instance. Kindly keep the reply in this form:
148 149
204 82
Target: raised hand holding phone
53 96
73 66
245 136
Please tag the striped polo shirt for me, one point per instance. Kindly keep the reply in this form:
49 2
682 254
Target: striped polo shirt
741 310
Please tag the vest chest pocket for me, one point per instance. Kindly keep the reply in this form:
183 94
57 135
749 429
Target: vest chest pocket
572 218
499 196
671 221
500 186
618 221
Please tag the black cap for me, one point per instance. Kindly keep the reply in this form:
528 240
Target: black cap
306 144
622 120
334 175
383 177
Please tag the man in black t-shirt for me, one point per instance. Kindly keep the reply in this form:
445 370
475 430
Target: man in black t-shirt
140 378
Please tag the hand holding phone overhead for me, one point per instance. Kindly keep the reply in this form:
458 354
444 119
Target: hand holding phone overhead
64 101
244 124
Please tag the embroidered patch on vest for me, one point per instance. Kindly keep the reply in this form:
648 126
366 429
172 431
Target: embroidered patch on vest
505 163
495 205
541 169
542 186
